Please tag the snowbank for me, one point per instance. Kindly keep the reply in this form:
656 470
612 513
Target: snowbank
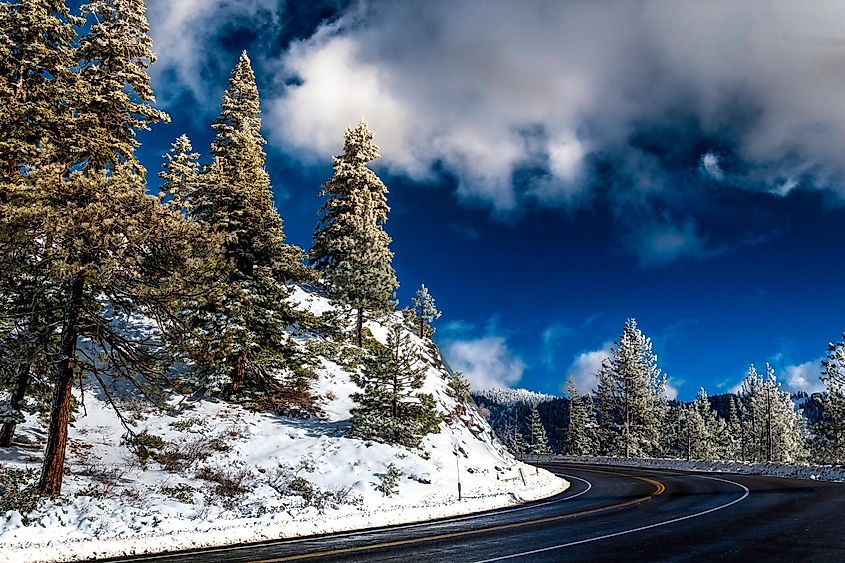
797 471
227 475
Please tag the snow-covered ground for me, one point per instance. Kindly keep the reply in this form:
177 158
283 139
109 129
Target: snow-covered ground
221 474
799 471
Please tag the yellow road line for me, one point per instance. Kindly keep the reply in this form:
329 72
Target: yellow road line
659 489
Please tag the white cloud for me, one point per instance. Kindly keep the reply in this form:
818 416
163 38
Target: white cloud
486 362
585 366
459 84
803 377
672 388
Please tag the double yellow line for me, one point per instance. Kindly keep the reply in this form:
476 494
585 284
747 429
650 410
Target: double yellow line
659 488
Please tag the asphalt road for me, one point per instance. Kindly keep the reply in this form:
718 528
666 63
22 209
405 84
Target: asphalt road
608 514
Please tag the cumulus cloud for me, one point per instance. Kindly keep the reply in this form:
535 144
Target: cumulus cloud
585 366
487 362
803 377
460 84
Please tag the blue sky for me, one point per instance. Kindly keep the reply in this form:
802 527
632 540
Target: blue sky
557 167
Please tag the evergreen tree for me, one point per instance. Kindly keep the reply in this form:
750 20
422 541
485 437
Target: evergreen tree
389 406
631 394
578 440
351 248
538 442
829 432
775 430
109 250
116 98
425 309
37 56
239 343
732 443
180 176
704 429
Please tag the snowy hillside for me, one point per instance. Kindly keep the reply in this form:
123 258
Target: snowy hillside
212 473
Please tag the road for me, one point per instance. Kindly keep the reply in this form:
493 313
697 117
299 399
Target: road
608 514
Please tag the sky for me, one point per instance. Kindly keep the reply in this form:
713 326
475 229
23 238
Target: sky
557 167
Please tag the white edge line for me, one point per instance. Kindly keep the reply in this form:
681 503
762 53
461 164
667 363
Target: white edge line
633 530
364 531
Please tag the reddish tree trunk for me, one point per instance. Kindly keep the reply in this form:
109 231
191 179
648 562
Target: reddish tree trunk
54 456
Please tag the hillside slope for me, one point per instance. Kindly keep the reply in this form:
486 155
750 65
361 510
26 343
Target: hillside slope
214 473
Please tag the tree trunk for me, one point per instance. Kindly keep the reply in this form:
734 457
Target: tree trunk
54 456
238 376
359 329
421 328
21 383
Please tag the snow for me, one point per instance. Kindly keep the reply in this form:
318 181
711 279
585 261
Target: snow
113 505
773 469
508 397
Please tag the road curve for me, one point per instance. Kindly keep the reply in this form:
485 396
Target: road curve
609 513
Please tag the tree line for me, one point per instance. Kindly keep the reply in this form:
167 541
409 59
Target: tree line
629 415
85 245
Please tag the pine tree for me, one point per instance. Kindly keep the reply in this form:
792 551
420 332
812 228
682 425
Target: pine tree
110 249
389 406
240 344
631 394
733 442
351 248
114 57
180 176
704 429
829 432
538 441
425 309
578 440
775 430
37 56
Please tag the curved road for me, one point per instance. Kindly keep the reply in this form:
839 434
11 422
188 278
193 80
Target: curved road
609 513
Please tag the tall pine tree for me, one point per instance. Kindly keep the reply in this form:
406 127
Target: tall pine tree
240 343
631 393
578 439
829 432
351 248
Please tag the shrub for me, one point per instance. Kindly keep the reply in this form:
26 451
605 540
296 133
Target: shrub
18 491
389 481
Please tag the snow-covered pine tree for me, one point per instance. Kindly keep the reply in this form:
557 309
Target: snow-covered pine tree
775 430
704 428
180 176
351 248
390 406
37 56
113 249
578 440
239 343
425 309
732 442
538 441
114 57
631 393
829 432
